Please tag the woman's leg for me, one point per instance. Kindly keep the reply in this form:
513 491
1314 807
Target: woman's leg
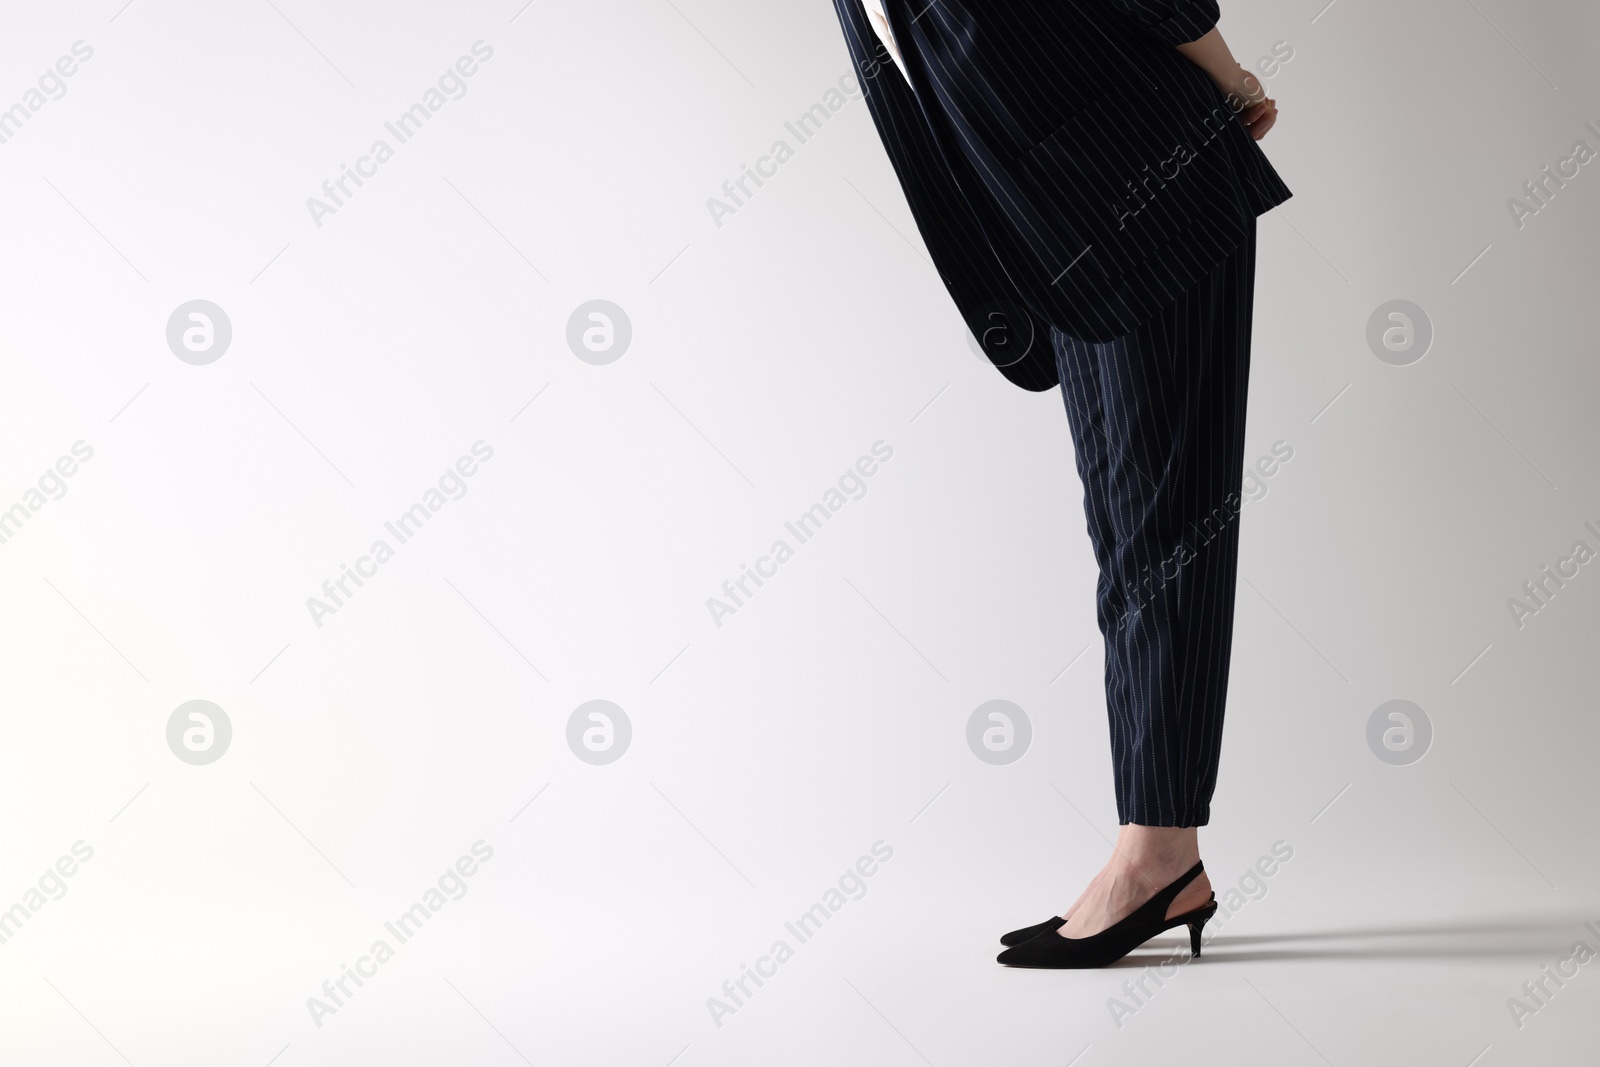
1157 421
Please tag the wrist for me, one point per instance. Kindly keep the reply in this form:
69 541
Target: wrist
1240 86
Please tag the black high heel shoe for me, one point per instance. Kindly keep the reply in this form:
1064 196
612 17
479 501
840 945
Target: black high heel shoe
1048 949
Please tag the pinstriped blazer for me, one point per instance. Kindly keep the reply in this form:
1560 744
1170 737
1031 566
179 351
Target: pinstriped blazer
1065 164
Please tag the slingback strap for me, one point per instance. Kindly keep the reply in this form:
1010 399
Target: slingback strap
1164 898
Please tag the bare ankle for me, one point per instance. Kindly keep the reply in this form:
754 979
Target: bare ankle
1160 853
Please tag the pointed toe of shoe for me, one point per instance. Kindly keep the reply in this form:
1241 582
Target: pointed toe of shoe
1032 953
1028 933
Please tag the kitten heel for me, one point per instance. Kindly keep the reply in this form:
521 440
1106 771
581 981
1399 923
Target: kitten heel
1197 924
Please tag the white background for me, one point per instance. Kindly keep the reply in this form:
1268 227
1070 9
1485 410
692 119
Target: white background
768 354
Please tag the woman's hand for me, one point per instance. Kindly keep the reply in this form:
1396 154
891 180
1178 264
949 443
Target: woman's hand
1248 97
1245 93
1258 118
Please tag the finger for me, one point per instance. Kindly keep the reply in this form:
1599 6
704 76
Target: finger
1267 109
1254 100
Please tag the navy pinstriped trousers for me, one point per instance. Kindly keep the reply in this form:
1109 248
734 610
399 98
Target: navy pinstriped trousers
1157 420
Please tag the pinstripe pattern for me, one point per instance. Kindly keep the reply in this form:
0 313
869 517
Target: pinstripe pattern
1157 420
1090 201
1067 168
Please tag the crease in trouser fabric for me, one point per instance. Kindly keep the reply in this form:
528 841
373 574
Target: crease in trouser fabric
1157 420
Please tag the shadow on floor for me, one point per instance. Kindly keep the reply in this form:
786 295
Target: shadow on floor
1493 937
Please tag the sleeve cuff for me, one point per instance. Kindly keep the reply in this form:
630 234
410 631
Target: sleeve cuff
1190 23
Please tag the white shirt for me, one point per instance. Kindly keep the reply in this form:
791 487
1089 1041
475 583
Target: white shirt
880 25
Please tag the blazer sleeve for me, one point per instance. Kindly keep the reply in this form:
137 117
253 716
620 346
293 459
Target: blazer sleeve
1174 21
1015 339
